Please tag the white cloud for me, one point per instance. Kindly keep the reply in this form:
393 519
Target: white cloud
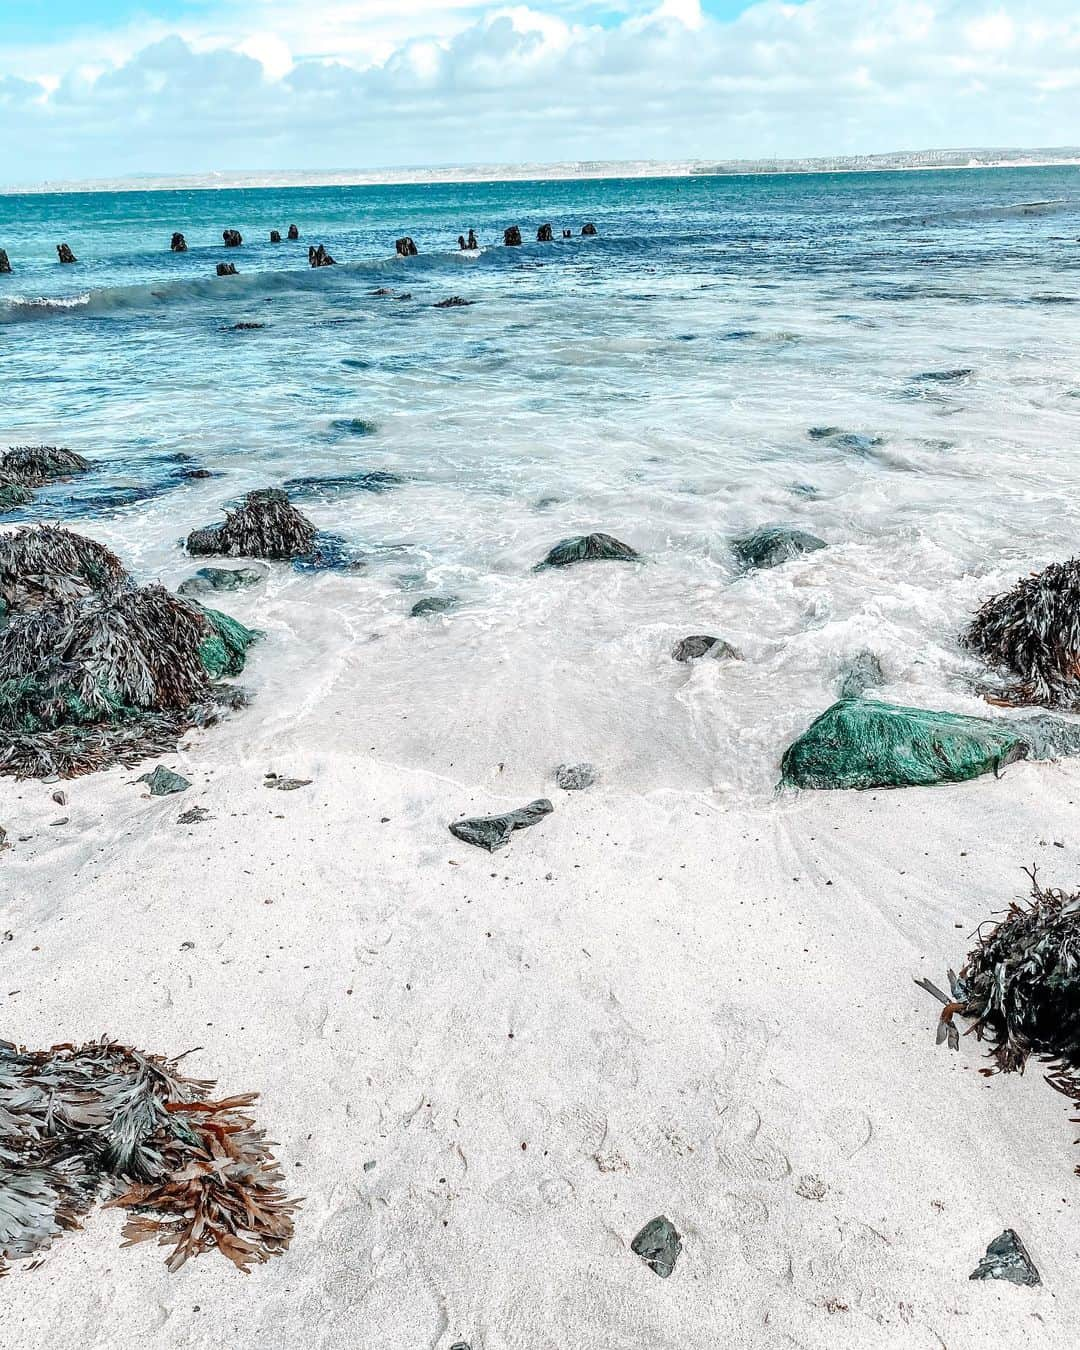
261 84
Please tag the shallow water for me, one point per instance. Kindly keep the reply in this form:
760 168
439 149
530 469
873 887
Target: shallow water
658 382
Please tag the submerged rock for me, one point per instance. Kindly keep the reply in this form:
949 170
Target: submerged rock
266 526
333 485
226 269
13 495
244 326
588 548
5 263
860 743
318 257
493 832
1007 1259
544 235
64 253
861 673
944 376
1032 632
433 604
232 238
575 777
162 782
208 579
328 553
694 648
405 248
658 1244
178 244
36 465
588 229
454 302
774 545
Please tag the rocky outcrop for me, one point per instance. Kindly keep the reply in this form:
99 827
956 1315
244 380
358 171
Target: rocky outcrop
694 648
588 229
511 237
36 465
178 244
493 832
226 269
588 548
318 257
232 238
405 248
545 234
266 526
14 495
294 233
64 253
774 545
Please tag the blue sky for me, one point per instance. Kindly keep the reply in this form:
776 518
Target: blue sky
95 88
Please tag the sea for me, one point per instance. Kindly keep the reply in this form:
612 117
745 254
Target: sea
888 361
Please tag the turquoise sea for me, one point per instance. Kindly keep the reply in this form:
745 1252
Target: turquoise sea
659 381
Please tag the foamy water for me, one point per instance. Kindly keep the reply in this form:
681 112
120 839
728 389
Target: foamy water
657 382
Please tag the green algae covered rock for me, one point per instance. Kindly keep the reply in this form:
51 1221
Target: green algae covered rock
223 651
860 743
13 495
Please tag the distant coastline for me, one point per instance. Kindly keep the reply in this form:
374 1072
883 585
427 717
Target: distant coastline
892 162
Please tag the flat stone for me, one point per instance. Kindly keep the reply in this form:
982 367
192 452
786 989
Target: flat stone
162 782
222 579
1007 1259
575 777
493 832
694 648
274 780
658 1245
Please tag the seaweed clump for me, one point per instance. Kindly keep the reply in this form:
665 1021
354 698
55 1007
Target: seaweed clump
35 465
1020 987
95 670
1033 632
266 526
78 1124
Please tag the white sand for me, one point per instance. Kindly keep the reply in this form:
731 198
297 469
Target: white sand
645 1005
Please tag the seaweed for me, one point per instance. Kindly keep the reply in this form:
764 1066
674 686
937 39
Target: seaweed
35 465
267 525
1033 632
43 564
102 1120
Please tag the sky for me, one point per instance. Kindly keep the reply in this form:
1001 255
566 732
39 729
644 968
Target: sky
103 88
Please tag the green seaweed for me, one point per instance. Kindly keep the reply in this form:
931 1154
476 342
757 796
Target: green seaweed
223 652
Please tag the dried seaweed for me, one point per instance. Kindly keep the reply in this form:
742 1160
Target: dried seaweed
1033 633
1021 989
266 526
42 564
35 465
106 1121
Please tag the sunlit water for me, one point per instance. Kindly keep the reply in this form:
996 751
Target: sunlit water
657 382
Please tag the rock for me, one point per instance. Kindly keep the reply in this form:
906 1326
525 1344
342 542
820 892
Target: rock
658 1244
861 673
471 241
294 233
860 743
493 832
318 257
13 495
544 234
461 1345
433 604
328 553
232 238
332 485
275 236
37 465
588 229
5 263
846 440
405 248
65 254
226 269
454 302
943 376
511 237
178 244
461 242
811 1187
774 545
274 780
588 548
568 234
163 782
694 648
244 326
194 815
1048 737
222 579
575 777
1007 1259
60 798
266 526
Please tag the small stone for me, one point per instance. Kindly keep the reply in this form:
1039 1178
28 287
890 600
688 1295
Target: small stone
60 798
1007 1259
232 238
405 248
588 229
369 1166
575 777
294 233
318 257
461 1345
275 236
194 815
433 604
286 784
658 1245
64 253
162 782
62 821
588 548
222 579
493 832
694 648
810 1187
178 243
774 545
544 235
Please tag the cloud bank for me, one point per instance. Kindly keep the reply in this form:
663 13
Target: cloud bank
267 85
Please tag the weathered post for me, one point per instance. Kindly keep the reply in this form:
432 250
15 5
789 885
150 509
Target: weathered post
65 254
178 243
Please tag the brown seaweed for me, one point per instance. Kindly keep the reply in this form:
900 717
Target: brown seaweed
267 525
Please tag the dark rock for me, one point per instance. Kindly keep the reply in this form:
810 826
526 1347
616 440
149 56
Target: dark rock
575 777
658 1244
944 376
512 237
245 326
694 648
193 474
454 302
178 243
861 673
318 257
774 545
823 433
194 815
353 426
588 548
493 832
1007 1259
162 782
471 241
13 495
433 604
405 248
403 295
36 465
274 780
328 553
461 1345
266 526
294 233
5 264
275 236
222 579
588 229
232 238
846 440
226 269
461 242
375 480
568 234
544 234
65 254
